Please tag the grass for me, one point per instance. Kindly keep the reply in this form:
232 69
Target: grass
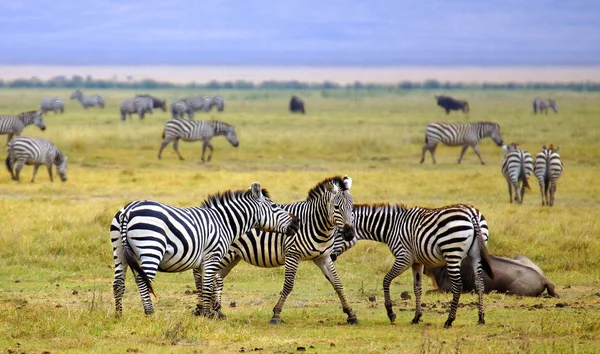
56 258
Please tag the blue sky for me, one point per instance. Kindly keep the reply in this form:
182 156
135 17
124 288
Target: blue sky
308 32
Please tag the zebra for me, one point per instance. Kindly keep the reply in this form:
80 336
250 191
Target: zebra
14 125
54 104
149 236
516 168
139 105
548 169
194 130
36 152
156 102
457 134
179 109
423 237
327 208
218 102
541 105
198 103
88 101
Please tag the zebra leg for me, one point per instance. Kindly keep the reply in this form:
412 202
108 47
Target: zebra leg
204 145
198 311
523 186
476 149
18 169
328 269
210 153
49 167
210 269
145 294
478 273
552 192
541 183
417 270
231 260
176 148
291 267
462 153
35 169
162 147
517 195
510 197
399 266
120 270
456 280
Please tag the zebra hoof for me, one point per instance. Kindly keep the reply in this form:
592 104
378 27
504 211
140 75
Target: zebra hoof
352 320
392 317
275 321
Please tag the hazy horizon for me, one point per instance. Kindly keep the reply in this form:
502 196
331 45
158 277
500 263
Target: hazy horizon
301 33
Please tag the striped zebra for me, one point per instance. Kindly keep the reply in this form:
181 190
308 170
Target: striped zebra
54 104
459 134
139 105
36 152
218 102
541 105
422 237
516 168
548 169
156 102
179 109
149 236
194 130
197 103
14 125
88 101
327 208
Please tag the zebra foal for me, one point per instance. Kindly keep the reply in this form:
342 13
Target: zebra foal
194 130
149 236
88 101
419 237
13 125
548 169
459 134
36 152
54 104
516 169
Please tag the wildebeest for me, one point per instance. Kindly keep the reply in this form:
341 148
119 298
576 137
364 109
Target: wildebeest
451 104
296 105
519 276
156 102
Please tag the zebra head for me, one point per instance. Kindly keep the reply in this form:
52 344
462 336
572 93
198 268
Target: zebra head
33 117
553 104
232 137
270 216
343 204
61 167
76 94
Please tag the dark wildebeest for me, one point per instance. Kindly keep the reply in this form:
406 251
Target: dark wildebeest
296 104
519 276
156 102
451 104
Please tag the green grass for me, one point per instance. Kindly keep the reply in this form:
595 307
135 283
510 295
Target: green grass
56 257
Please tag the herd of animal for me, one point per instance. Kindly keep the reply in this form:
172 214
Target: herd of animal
449 244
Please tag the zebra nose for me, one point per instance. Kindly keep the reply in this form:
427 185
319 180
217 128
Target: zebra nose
43 128
348 232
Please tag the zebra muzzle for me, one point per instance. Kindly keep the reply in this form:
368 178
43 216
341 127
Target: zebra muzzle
348 232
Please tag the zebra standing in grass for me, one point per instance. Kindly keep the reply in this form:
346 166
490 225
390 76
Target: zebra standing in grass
465 134
541 105
14 125
156 102
327 208
149 236
548 169
419 237
516 168
54 104
36 152
139 105
194 130
179 109
88 101
198 103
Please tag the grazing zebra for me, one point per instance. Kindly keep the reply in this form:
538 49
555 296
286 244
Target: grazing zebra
36 152
327 208
54 104
422 237
179 109
548 169
218 102
156 102
516 168
88 101
139 105
541 105
457 134
149 236
198 103
194 130
14 125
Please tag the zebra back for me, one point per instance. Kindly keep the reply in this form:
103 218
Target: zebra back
54 104
548 164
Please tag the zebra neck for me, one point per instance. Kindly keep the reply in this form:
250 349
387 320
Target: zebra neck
59 158
219 127
314 212
27 119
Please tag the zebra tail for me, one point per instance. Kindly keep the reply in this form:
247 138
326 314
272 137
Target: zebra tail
130 257
486 261
525 179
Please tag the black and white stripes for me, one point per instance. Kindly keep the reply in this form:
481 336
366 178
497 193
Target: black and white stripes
36 152
516 169
548 169
149 236
203 103
88 101
13 125
541 105
54 104
139 105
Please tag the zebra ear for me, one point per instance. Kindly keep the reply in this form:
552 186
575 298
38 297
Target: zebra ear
348 182
332 188
256 190
556 150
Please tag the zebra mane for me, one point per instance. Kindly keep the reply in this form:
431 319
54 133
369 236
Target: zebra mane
317 190
397 207
59 158
218 198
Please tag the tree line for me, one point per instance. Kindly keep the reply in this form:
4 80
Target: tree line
79 82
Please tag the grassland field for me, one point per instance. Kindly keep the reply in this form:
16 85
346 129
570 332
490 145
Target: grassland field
56 265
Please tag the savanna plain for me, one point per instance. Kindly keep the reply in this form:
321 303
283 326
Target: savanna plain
56 264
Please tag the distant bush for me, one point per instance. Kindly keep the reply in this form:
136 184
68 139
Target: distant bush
78 82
